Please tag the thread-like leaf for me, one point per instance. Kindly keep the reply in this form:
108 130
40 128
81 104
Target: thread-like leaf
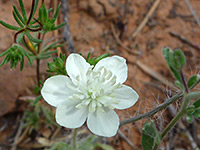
17 20
23 10
18 14
58 26
9 26
56 14
30 37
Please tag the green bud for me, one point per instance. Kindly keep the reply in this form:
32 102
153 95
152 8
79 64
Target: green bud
191 109
189 118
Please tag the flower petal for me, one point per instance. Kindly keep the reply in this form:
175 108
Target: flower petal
76 65
126 97
103 123
55 90
69 116
117 65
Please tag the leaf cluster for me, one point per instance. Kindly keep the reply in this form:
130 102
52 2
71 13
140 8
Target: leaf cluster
58 65
15 54
93 61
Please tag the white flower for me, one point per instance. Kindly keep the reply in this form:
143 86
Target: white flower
90 93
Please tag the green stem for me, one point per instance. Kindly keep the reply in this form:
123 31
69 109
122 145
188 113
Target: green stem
186 100
74 138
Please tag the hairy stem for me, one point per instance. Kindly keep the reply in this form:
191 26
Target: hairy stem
174 121
157 109
74 138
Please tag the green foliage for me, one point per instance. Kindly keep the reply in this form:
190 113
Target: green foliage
189 118
60 146
178 60
197 103
150 136
193 111
168 55
32 119
33 44
49 23
15 54
58 65
95 60
193 80
38 115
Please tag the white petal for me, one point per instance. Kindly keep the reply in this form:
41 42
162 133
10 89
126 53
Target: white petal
126 97
117 65
76 65
103 123
55 90
69 116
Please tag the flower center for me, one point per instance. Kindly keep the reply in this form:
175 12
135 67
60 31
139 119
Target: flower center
95 90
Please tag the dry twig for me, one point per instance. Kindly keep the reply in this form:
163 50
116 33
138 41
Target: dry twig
184 40
193 12
147 17
121 44
125 139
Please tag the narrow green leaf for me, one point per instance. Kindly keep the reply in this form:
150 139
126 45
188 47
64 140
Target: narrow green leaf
88 56
193 80
18 15
197 113
9 26
44 13
4 53
20 37
58 26
30 37
56 14
101 57
196 103
23 10
22 63
37 99
17 20
6 60
43 57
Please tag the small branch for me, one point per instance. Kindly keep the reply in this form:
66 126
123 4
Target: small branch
152 112
184 82
66 33
31 13
38 71
155 75
121 44
16 34
193 12
184 40
147 17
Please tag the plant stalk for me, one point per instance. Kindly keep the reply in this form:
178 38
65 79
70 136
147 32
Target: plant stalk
74 139
38 71
186 100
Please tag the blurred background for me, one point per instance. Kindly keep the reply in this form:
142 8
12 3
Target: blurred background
134 29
